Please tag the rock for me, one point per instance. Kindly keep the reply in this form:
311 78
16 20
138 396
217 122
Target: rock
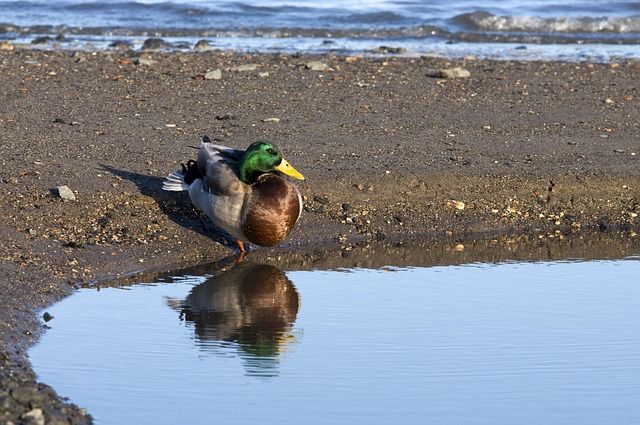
321 199
5 28
202 46
245 67
26 395
155 44
6 45
33 417
65 193
79 57
389 50
8 404
452 73
317 66
121 45
145 61
459 205
42 40
47 391
216 74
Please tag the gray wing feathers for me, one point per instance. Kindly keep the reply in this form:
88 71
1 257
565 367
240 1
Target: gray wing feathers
219 166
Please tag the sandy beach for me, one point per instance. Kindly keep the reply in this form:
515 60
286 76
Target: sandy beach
389 147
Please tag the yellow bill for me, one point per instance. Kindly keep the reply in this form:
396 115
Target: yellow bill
286 168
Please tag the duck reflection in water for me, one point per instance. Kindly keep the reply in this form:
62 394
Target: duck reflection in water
251 307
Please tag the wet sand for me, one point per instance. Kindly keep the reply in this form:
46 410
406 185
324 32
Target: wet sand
536 149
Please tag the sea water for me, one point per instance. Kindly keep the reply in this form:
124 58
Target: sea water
544 29
537 342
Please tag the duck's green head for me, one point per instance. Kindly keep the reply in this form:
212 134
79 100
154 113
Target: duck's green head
264 157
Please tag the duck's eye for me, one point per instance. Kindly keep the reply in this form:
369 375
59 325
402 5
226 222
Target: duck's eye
271 151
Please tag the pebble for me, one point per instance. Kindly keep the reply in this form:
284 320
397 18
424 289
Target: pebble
452 73
459 205
8 404
65 193
246 67
389 50
146 61
33 416
26 395
6 45
121 45
317 66
202 46
321 199
42 40
271 120
216 74
155 44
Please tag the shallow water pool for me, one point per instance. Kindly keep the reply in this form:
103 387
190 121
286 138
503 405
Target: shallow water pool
497 343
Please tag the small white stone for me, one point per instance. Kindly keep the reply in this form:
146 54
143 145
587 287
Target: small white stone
65 193
453 73
216 74
317 66
34 416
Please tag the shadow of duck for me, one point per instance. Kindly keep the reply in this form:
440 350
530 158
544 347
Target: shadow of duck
175 205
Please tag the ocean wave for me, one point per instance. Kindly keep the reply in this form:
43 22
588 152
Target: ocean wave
483 21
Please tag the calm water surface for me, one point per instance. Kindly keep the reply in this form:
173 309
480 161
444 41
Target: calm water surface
497 343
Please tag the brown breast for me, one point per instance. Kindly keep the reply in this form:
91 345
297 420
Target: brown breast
273 209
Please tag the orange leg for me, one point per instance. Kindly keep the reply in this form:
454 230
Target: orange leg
241 245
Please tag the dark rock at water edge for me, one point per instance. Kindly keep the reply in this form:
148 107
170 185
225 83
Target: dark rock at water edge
155 44
202 46
8 28
121 45
42 40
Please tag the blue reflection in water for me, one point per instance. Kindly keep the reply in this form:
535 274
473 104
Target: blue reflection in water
540 343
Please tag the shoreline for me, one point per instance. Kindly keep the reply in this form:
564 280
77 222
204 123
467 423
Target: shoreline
389 151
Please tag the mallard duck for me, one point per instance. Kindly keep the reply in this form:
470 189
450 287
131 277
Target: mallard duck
243 192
